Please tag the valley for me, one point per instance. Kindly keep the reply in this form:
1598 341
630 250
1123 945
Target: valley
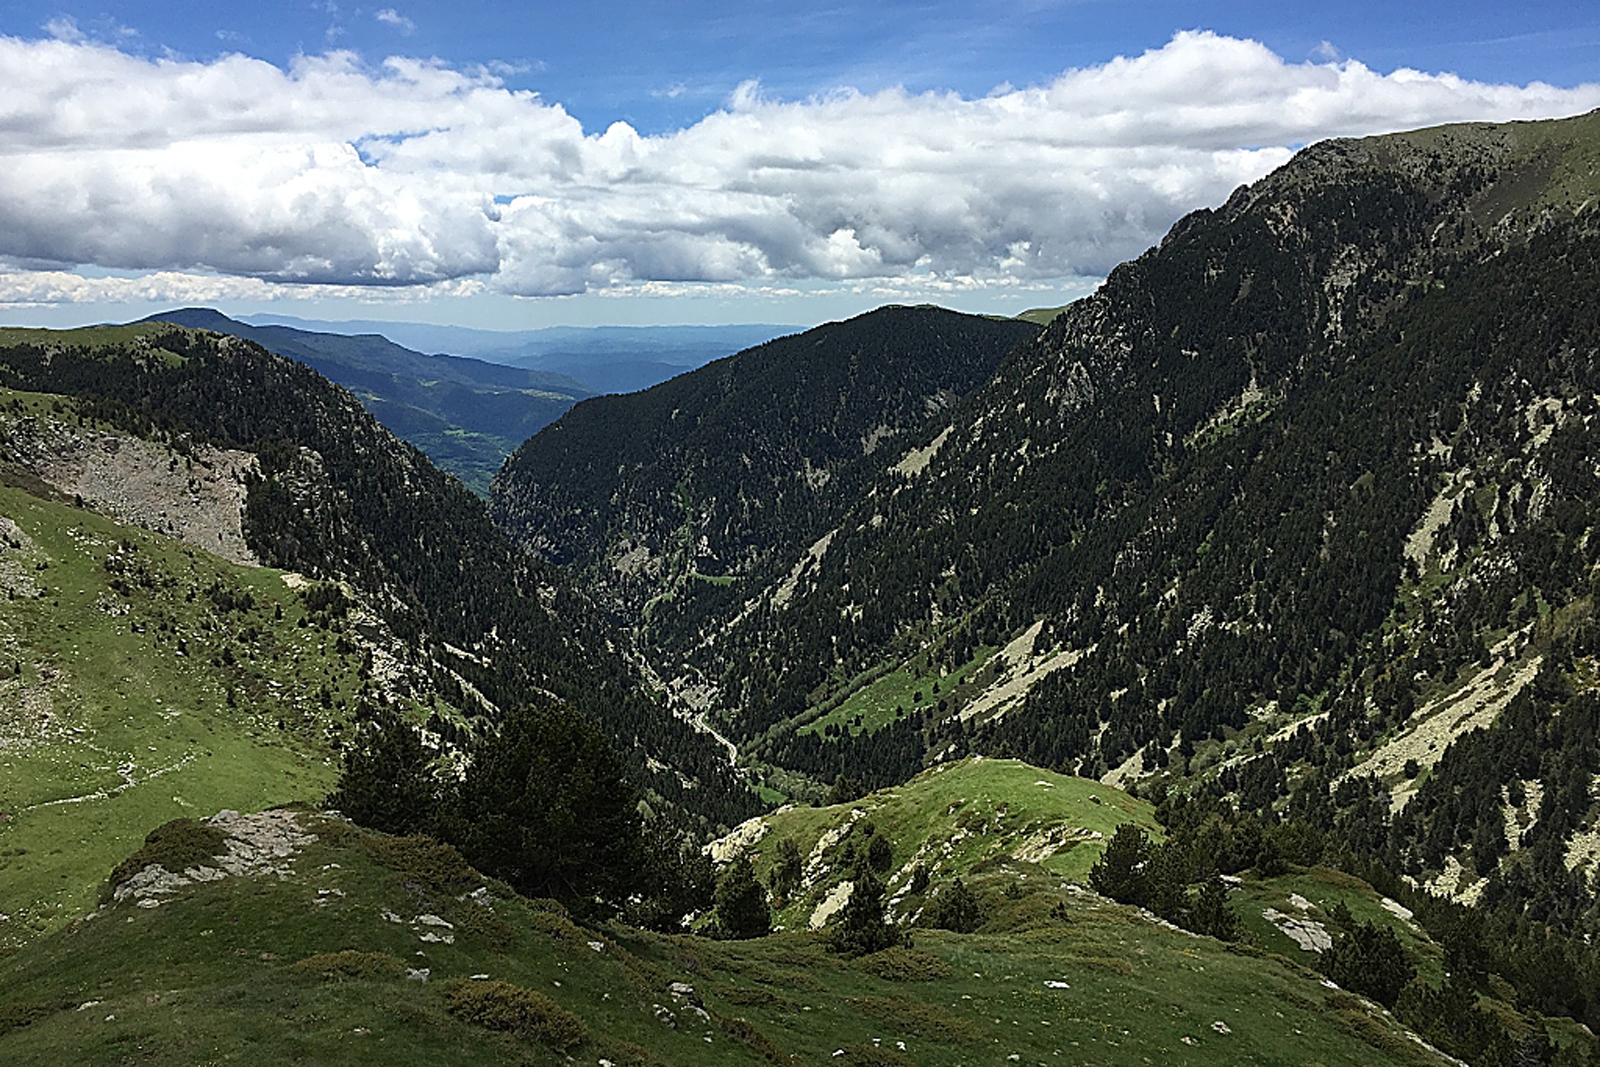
1208 668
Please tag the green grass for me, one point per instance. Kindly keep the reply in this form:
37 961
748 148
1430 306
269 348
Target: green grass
121 719
878 699
216 975
986 810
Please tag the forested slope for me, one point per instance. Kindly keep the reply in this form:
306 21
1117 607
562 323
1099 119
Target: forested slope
671 492
333 495
1287 510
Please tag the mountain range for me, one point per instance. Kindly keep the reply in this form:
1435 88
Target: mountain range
1237 618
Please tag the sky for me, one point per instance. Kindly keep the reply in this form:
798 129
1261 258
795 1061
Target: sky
512 166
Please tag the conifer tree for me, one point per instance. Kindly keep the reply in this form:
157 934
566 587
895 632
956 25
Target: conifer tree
387 783
741 910
955 908
862 926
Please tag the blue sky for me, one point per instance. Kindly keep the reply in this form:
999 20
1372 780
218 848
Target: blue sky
514 165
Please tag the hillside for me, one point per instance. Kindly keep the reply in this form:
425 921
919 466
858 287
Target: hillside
672 492
465 414
315 486
1313 458
294 935
1294 516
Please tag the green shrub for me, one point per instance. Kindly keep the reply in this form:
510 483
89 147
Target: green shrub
756 998
915 1017
483 925
350 965
524 1012
436 867
900 964
746 1033
556 925
176 845
15 1016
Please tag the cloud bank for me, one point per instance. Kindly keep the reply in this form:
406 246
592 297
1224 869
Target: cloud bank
413 174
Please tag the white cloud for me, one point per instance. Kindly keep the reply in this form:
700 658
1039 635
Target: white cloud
64 28
23 288
390 17
412 173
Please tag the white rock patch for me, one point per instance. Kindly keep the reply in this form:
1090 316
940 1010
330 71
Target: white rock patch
836 899
259 844
1309 934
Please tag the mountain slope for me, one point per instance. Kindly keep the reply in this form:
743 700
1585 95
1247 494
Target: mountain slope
714 474
303 937
466 414
1286 510
331 495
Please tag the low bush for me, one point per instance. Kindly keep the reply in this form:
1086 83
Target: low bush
480 922
898 964
916 1017
175 845
436 867
524 1012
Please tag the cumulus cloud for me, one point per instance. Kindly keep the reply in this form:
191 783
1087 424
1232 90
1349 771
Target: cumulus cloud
390 17
413 173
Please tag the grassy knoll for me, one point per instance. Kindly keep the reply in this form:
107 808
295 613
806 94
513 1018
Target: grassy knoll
952 820
313 966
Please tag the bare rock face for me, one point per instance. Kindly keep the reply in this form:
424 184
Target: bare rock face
265 843
196 496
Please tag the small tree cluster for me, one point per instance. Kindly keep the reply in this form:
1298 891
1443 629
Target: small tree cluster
955 908
1135 870
862 926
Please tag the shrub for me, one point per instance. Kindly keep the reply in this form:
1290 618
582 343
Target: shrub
746 1033
175 845
901 964
480 922
436 867
916 1017
955 908
524 1012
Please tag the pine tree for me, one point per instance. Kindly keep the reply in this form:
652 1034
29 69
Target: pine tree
784 878
547 806
1119 873
862 927
387 783
741 909
955 908
1211 914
